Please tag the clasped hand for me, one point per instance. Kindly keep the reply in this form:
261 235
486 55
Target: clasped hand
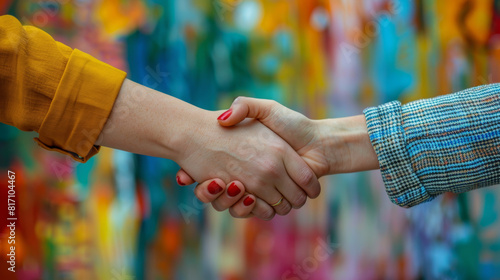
269 164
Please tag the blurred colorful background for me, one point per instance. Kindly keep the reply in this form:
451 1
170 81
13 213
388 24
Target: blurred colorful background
121 216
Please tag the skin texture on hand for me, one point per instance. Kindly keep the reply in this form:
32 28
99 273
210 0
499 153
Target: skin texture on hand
151 123
328 146
249 153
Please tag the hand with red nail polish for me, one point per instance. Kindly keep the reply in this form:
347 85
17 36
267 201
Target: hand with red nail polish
163 126
327 146
249 152
267 167
234 195
240 204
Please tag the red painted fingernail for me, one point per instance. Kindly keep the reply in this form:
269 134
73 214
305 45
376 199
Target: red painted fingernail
179 182
214 188
225 115
248 201
233 190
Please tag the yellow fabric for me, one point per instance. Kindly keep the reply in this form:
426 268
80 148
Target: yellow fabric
63 94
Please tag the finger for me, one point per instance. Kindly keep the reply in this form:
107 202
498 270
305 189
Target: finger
295 128
183 178
234 191
263 210
209 190
243 208
270 194
283 208
245 107
288 124
301 174
292 193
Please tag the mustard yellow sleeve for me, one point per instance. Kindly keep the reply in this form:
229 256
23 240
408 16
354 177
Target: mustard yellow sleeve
63 94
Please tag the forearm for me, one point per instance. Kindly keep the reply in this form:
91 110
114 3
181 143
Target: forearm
147 122
346 145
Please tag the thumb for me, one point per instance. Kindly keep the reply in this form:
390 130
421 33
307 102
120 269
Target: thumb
293 127
246 107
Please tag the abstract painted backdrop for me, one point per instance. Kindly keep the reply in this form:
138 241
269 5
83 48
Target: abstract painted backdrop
121 216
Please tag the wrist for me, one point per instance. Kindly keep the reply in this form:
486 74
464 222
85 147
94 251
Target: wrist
148 122
347 145
187 123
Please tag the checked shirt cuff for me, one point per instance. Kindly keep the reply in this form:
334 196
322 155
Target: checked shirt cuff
388 139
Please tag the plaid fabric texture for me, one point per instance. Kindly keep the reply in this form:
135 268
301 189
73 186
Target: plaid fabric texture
450 143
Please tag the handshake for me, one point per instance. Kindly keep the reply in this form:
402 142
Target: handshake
265 159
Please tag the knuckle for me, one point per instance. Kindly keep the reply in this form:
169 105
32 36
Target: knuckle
316 192
273 103
276 110
285 208
268 108
267 214
281 148
240 98
307 178
254 184
299 200
271 167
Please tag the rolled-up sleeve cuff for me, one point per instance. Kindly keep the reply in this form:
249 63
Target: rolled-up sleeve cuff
80 107
388 139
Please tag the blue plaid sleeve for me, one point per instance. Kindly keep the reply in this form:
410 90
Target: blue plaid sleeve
450 143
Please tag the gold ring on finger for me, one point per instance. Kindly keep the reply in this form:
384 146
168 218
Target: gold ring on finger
278 203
